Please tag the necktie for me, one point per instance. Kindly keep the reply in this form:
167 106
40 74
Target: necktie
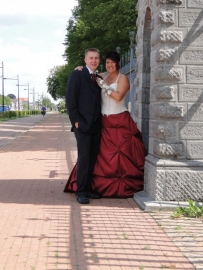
93 76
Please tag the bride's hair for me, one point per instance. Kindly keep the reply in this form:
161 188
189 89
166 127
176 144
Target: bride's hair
115 57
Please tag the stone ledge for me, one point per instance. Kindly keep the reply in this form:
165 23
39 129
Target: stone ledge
149 205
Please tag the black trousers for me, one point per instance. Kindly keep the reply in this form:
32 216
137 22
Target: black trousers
88 147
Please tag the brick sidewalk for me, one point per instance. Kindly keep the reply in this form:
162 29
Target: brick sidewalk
43 228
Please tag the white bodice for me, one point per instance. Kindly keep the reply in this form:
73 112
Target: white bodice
111 106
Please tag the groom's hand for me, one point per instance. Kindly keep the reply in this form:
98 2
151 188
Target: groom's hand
76 124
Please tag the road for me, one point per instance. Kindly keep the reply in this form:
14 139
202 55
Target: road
10 130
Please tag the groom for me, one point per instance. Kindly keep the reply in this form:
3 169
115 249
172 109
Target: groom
83 99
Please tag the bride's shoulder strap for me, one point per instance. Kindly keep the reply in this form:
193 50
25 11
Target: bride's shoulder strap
118 77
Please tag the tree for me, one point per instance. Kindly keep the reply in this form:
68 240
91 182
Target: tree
45 101
103 24
7 100
56 81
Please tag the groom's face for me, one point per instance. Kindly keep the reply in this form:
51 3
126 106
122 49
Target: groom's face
92 60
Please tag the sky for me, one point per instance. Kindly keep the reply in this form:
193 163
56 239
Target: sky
31 43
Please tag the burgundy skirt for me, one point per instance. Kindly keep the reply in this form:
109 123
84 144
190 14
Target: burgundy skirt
119 169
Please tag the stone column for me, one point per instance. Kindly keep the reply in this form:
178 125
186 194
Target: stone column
169 96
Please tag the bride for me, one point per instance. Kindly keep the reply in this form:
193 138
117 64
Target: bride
119 169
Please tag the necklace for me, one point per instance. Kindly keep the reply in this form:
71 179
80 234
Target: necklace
111 80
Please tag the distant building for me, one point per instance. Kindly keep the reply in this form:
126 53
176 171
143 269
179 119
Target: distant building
14 102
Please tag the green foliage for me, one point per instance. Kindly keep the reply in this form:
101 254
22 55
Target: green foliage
56 81
193 210
62 106
103 24
7 100
45 101
16 114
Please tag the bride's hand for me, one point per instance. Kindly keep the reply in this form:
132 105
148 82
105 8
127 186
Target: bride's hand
79 68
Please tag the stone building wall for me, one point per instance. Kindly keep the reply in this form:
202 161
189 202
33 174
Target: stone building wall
169 96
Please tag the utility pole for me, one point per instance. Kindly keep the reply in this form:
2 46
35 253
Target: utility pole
33 98
2 66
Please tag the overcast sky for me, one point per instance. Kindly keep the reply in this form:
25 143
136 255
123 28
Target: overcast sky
31 37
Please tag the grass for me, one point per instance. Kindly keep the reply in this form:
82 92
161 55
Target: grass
48 243
192 210
56 254
147 247
178 228
125 236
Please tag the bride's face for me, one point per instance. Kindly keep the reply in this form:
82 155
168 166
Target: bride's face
110 65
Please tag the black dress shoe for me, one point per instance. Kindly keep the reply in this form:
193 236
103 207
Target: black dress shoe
92 195
83 199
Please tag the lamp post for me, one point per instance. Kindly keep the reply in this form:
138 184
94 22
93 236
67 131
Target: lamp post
28 93
33 93
12 78
2 67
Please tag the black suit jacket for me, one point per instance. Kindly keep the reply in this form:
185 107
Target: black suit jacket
82 95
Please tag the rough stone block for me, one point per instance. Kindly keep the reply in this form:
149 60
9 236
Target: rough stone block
170 180
191 56
190 131
195 150
167 54
168 17
170 74
195 37
195 112
163 130
168 150
169 2
189 92
194 74
167 92
195 3
168 111
183 184
190 17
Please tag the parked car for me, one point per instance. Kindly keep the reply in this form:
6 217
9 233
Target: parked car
6 108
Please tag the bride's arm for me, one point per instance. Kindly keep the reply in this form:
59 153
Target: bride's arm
122 88
81 67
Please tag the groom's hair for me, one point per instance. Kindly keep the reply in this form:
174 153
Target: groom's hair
115 57
91 50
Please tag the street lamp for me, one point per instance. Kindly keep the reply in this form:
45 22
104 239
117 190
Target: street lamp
2 66
12 78
28 93
33 98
